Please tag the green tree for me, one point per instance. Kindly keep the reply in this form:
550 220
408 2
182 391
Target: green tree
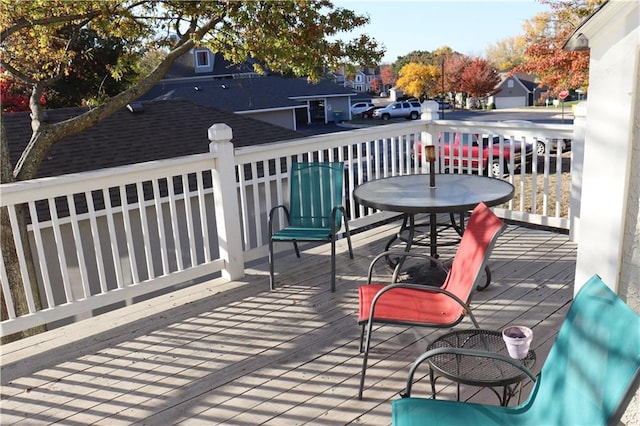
417 56
290 37
418 80
422 57
90 80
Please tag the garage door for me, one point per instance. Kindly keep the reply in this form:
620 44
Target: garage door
510 102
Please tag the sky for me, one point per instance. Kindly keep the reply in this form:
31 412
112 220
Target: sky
468 27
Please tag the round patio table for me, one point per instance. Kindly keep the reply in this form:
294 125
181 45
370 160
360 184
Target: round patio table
477 370
412 194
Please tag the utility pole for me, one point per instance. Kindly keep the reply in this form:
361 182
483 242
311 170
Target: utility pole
442 100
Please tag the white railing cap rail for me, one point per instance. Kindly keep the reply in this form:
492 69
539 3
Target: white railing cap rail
327 141
537 129
60 186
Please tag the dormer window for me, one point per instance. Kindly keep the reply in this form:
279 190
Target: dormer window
203 61
202 58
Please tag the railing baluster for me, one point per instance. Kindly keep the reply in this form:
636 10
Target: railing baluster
244 205
77 238
113 238
547 173
128 232
521 190
175 224
164 249
13 218
203 217
62 261
6 291
44 270
189 213
97 246
144 225
559 191
255 189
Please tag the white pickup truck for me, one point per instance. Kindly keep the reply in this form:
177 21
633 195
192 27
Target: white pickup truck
407 109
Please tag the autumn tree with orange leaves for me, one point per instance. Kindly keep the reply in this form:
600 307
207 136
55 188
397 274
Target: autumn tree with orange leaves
387 76
546 35
479 79
454 67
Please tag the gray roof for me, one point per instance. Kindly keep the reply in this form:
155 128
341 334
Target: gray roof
184 67
246 94
528 84
165 129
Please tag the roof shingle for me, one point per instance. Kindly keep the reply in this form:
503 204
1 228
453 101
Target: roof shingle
165 129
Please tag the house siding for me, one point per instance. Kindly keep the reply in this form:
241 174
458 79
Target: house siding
609 228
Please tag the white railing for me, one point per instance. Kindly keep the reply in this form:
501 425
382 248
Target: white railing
541 181
108 236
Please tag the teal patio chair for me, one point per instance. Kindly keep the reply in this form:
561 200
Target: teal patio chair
315 211
588 378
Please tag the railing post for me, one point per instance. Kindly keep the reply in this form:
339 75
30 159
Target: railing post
226 201
577 168
429 115
429 110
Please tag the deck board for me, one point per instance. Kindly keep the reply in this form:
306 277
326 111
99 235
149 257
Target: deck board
239 354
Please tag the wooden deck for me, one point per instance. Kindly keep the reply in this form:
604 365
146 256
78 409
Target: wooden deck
239 354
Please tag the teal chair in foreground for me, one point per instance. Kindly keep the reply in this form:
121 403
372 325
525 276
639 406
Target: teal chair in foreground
588 378
315 211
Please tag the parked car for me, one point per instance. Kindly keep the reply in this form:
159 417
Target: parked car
463 143
369 113
542 143
407 109
360 107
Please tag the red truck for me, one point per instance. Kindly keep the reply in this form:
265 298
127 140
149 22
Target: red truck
466 152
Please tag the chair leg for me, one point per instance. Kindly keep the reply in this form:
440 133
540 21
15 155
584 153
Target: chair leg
333 263
361 347
365 357
272 283
348 234
295 246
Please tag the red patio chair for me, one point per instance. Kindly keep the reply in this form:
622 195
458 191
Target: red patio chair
421 305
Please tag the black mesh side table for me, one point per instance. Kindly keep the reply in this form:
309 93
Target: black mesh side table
477 370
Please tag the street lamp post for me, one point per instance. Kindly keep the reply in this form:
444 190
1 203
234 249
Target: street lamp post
442 100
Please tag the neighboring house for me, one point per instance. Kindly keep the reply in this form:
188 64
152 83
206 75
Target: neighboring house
202 62
159 130
338 78
364 80
516 91
209 80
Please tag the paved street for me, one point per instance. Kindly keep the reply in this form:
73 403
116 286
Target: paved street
535 115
